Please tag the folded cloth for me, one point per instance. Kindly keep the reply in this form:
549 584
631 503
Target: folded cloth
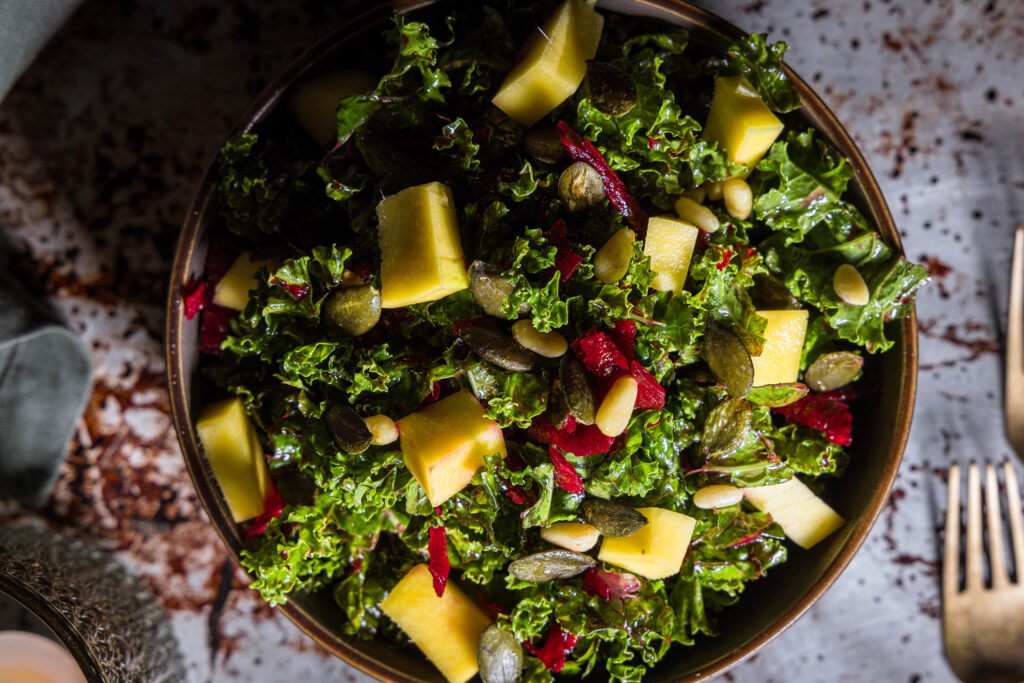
45 379
25 26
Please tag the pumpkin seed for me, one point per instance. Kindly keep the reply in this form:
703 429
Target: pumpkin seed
613 519
352 310
726 427
728 358
544 143
558 406
550 564
348 430
499 349
611 90
833 370
579 393
769 294
489 289
499 656
580 187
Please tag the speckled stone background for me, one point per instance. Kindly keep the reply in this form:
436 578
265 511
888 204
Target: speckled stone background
104 138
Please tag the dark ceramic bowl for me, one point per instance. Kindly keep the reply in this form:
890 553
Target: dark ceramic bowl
769 605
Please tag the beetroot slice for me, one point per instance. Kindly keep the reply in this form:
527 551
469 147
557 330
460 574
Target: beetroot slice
624 337
649 392
273 506
599 354
585 440
608 585
195 298
614 189
831 418
213 326
566 258
439 566
566 475
557 645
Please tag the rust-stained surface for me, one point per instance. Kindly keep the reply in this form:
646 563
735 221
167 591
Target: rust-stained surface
103 140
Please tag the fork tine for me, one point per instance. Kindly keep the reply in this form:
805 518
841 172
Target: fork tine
975 571
996 552
1014 389
1016 518
951 562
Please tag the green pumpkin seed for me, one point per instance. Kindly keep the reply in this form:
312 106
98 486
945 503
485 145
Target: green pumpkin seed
544 143
558 406
580 187
352 310
726 427
728 358
611 90
613 519
550 564
833 370
769 294
489 289
348 430
499 656
499 349
579 393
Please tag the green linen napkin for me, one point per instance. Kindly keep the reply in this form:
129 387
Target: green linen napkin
25 26
45 379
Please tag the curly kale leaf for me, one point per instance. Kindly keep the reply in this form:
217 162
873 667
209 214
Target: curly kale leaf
512 398
892 282
256 193
760 62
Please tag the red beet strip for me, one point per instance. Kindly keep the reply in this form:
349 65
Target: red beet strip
439 565
566 475
273 506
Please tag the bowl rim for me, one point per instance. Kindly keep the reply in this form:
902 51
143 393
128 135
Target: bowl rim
812 106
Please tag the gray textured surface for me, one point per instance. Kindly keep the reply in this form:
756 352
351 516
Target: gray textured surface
101 143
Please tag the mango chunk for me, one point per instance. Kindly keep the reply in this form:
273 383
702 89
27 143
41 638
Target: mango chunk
669 244
446 629
421 254
740 122
804 517
657 550
444 444
232 291
314 103
233 450
779 361
576 536
554 63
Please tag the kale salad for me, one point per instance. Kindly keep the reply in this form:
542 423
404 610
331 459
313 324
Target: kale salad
544 345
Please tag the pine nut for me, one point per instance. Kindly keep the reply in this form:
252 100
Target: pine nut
617 407
693 212
612 260
575 536
717 496
850 286
697 194
714 190
382 428
739 200
547 344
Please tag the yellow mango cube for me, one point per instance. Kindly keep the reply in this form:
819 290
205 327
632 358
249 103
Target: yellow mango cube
657 550
804 517
233 450
314 102
779 361
232 290
444 444
553 64
669 244
740 122
421 252
446 629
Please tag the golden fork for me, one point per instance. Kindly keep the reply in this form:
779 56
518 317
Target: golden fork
1014 400
984 626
